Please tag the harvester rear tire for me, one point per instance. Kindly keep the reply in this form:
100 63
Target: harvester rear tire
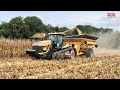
89 52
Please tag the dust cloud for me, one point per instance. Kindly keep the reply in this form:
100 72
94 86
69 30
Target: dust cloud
108 44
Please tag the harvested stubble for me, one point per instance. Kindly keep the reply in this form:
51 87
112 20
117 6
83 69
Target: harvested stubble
81 68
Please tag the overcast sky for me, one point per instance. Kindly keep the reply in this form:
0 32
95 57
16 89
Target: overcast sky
68 18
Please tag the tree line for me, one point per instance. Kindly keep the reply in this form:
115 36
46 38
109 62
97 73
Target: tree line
19 27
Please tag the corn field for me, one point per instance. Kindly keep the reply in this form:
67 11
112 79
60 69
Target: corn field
14 64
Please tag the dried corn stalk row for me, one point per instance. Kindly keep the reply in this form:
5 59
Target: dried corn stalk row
13 48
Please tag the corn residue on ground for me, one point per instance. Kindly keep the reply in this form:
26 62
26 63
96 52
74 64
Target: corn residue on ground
81 68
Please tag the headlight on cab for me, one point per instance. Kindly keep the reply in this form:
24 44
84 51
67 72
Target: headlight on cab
45 48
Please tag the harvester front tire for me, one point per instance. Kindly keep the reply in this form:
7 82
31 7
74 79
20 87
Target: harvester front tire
89 52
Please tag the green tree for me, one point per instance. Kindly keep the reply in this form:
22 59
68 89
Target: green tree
4 29
17 28
50 28
63 29
35 25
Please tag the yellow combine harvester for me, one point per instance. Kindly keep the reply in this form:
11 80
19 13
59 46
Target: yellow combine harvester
58 45
38 36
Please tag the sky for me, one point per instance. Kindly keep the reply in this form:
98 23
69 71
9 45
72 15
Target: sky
69 19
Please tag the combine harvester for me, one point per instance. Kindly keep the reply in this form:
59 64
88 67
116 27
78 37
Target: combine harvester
38 36
58 46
